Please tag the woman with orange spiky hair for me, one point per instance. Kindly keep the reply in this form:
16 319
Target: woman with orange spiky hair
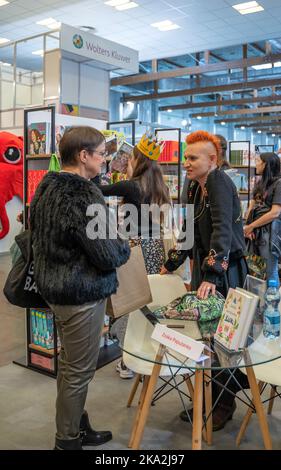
219 245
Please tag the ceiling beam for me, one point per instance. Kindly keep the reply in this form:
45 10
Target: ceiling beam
168 61
229 112
257 47
210 104
195 70
260 124
253 84
252 119
215 56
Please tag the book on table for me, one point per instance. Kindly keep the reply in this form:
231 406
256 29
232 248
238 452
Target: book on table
237 318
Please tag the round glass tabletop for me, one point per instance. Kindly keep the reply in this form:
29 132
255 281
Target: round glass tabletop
259 350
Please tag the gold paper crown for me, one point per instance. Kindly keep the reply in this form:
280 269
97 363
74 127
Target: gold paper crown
150 147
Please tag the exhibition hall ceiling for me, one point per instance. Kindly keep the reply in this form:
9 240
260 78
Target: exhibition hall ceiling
200 24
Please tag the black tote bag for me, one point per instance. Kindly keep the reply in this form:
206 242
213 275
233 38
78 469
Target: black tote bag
20 288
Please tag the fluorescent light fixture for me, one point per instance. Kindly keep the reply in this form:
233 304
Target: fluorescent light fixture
169 110
39 52
248 7
259 132
49 23
161 24
3 2
242 128
223 123
199 117
127 6
184 122
169 27
6 64
273 135
277 64
262 66
116 3
4 40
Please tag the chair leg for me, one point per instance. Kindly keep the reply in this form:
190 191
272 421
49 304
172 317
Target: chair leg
134 389
259 408
147 399
197 411
246 421
271 399
140 404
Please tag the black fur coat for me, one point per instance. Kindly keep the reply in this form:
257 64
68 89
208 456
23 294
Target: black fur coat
70 268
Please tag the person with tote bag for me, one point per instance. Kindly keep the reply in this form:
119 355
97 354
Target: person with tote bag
75 274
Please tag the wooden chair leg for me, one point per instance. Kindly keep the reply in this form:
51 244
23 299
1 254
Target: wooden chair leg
138 412
208 405
246 420
134 389
197 411
271 399
259 408
147 399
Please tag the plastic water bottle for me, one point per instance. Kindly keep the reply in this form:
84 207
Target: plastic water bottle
271 314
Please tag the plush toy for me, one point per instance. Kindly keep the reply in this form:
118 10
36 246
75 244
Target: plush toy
11 174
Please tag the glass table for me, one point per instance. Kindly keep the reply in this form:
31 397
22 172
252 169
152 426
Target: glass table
259 351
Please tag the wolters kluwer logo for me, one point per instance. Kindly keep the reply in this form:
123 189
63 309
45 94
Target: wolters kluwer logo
77 41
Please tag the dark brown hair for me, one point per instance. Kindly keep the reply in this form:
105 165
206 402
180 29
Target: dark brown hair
149 175
76 139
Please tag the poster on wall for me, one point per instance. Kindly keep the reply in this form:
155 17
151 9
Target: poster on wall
39 138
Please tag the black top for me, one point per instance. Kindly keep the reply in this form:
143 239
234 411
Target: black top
218 231
131 192
71 265
273 193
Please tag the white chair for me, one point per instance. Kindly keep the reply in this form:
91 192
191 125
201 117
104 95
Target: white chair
138 340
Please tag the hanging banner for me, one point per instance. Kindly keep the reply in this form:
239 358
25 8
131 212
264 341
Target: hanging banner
93 47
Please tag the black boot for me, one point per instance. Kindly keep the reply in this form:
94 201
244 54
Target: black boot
88 436
73 444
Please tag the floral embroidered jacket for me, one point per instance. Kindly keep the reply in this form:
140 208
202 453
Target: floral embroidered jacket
218 229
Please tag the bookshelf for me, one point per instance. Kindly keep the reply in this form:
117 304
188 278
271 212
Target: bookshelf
242 161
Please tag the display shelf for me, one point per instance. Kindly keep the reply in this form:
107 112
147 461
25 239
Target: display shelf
44 351
41 156
168 163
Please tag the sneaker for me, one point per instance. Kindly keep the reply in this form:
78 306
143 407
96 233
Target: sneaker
124 372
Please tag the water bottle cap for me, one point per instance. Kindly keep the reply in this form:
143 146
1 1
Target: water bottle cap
272 283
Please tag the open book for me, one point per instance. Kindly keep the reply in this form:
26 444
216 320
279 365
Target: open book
237 318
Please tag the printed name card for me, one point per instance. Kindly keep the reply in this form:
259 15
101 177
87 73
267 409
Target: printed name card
178 342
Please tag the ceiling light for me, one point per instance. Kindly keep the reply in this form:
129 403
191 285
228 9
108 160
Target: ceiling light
115 3
49 23
184 122
277 64
39 52
169 110
127 6
223 123
4 40
273 135
262 66
248 7
3 2
169 27
259 132
242 128
199 117
160 24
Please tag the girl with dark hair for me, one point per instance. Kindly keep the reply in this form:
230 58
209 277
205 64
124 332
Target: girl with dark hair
144 186
263 224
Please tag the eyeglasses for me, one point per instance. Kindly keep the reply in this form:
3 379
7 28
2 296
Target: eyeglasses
101 154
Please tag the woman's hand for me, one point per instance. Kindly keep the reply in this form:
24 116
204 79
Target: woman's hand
205 289
248 231
164 271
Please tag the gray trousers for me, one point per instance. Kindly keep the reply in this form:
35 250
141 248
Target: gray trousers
79 328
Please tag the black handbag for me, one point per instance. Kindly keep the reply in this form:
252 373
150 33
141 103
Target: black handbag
20 288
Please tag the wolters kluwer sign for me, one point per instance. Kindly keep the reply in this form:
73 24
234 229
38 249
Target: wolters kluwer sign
93 47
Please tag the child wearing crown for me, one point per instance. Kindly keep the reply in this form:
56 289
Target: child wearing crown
145 185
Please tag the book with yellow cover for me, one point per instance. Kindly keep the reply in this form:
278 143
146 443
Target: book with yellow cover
236 320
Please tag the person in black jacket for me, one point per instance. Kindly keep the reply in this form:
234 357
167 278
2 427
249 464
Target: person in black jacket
217 257
75 272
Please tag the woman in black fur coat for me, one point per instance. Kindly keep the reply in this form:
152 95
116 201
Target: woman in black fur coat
75 272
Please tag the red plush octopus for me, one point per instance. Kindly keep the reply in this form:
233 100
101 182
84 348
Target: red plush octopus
11 174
